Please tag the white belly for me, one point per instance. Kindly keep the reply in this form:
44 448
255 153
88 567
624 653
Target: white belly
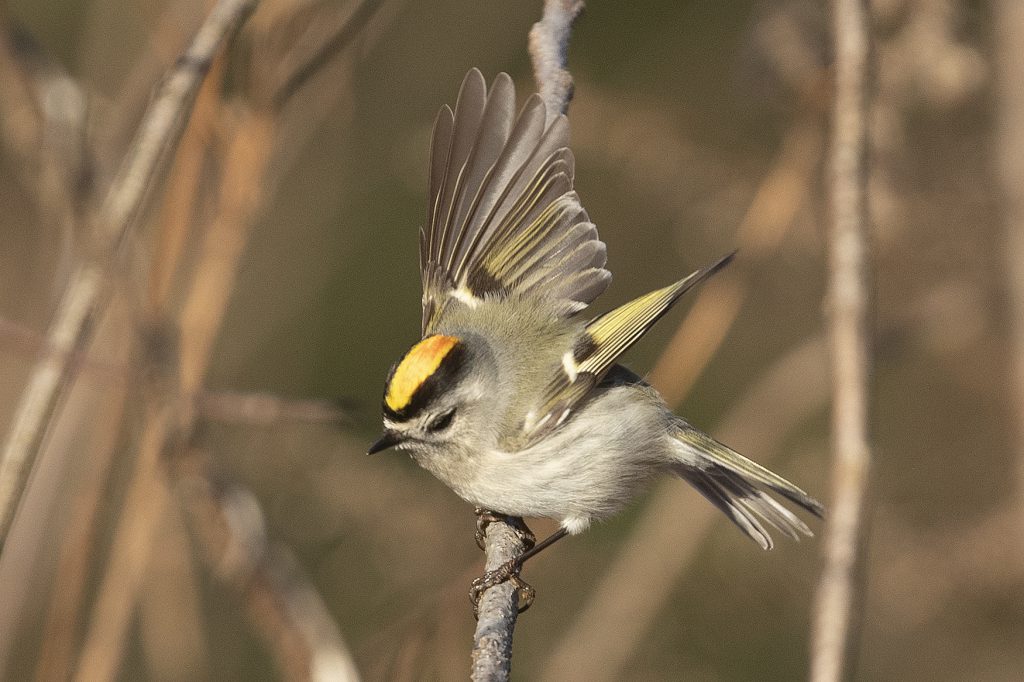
578 473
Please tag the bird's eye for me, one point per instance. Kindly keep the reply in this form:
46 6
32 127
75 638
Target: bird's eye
441 422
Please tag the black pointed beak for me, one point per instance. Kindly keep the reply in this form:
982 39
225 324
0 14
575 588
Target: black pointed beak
387 440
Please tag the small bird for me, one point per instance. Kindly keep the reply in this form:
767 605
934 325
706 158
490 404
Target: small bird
511 397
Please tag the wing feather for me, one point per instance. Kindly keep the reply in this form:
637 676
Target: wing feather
494 185
605 339
441 141
495 124
502 214
619 329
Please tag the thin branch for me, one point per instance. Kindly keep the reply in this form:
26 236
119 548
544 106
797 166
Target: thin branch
840 594
86 293
230 407
67 336
549 47
497 609
267 409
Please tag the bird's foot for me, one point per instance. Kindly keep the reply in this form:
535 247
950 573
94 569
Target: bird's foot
507 572
485 517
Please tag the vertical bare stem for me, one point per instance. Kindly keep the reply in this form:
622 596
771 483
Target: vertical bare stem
839 592
496 616
1009 31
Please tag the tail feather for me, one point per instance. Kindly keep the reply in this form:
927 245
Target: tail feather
728 503
736 485
772 511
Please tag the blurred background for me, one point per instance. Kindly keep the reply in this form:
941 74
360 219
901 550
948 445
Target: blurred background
698 127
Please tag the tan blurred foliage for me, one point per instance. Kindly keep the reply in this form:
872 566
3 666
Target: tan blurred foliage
278 248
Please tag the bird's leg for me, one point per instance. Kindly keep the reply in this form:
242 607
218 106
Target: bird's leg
485 517
509 571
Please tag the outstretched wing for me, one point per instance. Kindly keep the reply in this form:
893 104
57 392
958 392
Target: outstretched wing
503 217
605 339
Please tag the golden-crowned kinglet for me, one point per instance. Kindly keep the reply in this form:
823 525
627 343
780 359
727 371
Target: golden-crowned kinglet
511 398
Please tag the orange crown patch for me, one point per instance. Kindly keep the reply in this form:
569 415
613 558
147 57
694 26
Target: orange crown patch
417 366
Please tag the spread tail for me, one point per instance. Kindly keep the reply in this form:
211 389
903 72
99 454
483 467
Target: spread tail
739 487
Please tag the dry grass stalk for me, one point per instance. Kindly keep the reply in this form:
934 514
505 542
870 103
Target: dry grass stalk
1009 31
839 598
78 548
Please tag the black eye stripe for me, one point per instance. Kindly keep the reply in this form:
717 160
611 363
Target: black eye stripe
442 422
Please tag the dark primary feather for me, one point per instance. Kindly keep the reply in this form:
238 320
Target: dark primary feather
502 216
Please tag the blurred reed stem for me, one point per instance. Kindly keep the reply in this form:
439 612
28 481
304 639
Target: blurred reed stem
1009 149
840 592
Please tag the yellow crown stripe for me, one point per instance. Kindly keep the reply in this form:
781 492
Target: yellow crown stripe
418 365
